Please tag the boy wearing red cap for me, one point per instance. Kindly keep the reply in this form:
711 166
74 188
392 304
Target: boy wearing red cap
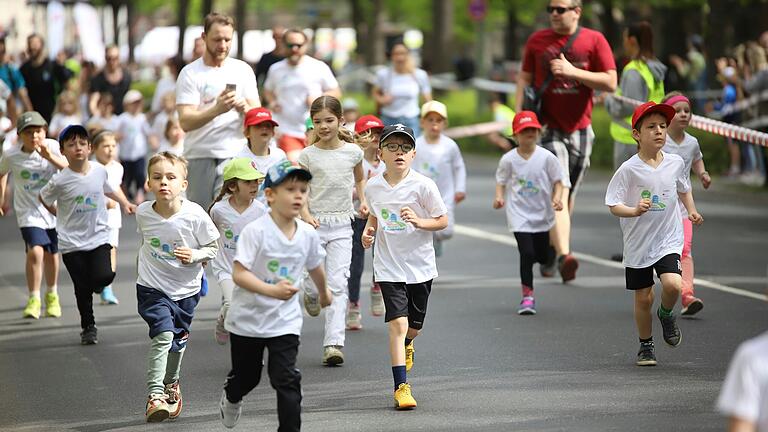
644 193
259 130
529 183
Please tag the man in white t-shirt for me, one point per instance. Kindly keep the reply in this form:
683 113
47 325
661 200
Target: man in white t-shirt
744 396
212 95
291 86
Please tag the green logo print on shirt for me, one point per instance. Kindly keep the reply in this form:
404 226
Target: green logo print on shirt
84 204
527 188
656 204
391 222
281 272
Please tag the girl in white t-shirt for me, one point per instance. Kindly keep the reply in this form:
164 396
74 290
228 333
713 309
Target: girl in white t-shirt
67 112
644 193
105 118
259 130
529 182
686 146
336 166
174 138
231 211
367 132
105 150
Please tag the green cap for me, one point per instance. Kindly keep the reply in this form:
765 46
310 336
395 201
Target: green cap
308 123
30 118
242 168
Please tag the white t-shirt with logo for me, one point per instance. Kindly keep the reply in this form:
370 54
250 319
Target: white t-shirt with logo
230 224
266 252
199 85
529 186
690 151
745 390
82 221
30 173
442 162
333 177
402 252
293 86
369 171
134 131
158 267
659 231
405 90
115 178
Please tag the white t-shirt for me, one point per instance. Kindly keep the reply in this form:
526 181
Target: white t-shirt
30 173
135 131
690 151
267 253
369 171
158 126
82 222
659 231
405 90
263 164
442 162
115 178
403 253
199 85
60 121
230 224
158 267
177 149
529 186
110 124
293 86
745 391
333 177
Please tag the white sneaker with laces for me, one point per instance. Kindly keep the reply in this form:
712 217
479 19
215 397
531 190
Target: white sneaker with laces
230 412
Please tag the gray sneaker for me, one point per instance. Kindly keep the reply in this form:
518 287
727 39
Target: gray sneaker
332 355
646 356
672 334
312 304
89 336
230 412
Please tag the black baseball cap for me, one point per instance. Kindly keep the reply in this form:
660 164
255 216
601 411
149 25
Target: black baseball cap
398 128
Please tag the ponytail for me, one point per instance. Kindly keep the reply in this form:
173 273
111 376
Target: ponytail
225 190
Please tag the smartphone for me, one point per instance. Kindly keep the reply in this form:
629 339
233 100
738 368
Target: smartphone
230 87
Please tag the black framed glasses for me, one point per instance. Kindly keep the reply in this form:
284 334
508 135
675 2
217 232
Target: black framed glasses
560 9
393 146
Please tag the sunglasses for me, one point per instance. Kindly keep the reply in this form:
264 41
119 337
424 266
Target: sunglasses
559 9
294 45
405 147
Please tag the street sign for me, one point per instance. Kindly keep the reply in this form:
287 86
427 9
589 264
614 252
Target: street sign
478 9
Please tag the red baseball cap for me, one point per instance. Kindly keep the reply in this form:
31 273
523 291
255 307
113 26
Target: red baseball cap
525 120
652 107
368 122
258 116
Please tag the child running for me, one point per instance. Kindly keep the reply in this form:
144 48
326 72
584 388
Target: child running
177 236
411 208
259 130
231 211
136 139
32 165
686 146
439 158
76 195
273 252
529 184
336 166
367 132
105 151
643 193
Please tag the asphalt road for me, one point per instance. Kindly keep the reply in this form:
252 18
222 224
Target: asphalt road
479 366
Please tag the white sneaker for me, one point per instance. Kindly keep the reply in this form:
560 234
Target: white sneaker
221 333
312 304
354 319
332 355
377 301
230 412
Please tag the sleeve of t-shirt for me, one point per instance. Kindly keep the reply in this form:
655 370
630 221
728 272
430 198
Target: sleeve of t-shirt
50 191
378 81
697 155
270 80
315 252
5 165
431 200
187 92
357 156
459 169
529 59
303 159
740 396
554 169
206 231
327 80
423 79
602 60
503 172
250 90
108 187
248 246
18 78
617 189
683 180
97 84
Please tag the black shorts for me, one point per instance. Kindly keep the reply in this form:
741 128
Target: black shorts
47 238
406 300
639 278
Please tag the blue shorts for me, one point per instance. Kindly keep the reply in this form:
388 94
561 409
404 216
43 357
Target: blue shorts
165 315
47 238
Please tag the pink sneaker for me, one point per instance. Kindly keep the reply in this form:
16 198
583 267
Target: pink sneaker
691 305
527 306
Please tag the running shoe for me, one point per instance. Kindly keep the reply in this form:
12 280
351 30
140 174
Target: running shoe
89 336
52 305
646 356
409 351
108 296
220 332
672 334
230 412
527 306
312 304
332 355
157 408
377 301
567 265
403 398
691 306
354 318
33 308
173 399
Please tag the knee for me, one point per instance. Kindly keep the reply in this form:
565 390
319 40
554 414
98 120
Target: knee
644 300
398 326
35 254
289 378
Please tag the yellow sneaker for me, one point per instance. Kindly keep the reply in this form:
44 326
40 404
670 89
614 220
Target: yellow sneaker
33 308
409 350
403 398
52 306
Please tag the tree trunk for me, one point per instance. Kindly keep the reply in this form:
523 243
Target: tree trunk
131 18
361 26
208 7
374 47
240 26
115 4
511 47
442 25
181 21
610 26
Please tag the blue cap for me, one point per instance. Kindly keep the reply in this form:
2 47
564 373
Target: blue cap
282 170
73 129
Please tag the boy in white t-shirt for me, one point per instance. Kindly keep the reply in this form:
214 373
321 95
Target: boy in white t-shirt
439 158
32 164
77 196
177 236
529 182
406 208
265 312
259 130
745 390
644 193
136 139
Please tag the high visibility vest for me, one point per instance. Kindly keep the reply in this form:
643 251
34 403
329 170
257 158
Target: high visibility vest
621 131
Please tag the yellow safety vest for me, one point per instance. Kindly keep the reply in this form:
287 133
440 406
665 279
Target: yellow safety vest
621 131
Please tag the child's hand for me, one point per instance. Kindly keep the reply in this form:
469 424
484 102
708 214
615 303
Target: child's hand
368 237
312 221
111 204
130 209
498 203
459 197
409 216
696 218
183 254
363 210
283 290
325 297
557 204
643 206
44 151
706 180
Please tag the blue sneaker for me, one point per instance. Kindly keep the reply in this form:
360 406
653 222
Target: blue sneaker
108 296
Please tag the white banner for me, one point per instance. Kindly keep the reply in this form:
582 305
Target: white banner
56 23
89 30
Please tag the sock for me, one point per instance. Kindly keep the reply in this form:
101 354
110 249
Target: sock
408 341
650 339
664 312
398 373
53 289
527 291
35 294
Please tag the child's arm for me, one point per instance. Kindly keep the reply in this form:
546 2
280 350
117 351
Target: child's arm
622 210
369 233
459 176
360 189
51 208
3 187
557 195
119 196
305 215
498 200
194 256
59 161
248 281
687 199
427 224
698 168
318 277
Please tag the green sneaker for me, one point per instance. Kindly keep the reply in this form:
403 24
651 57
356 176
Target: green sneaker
52 306
33 308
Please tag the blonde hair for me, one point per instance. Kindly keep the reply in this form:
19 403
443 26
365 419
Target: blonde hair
170 157
67 96
333 105
364 138
102 136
